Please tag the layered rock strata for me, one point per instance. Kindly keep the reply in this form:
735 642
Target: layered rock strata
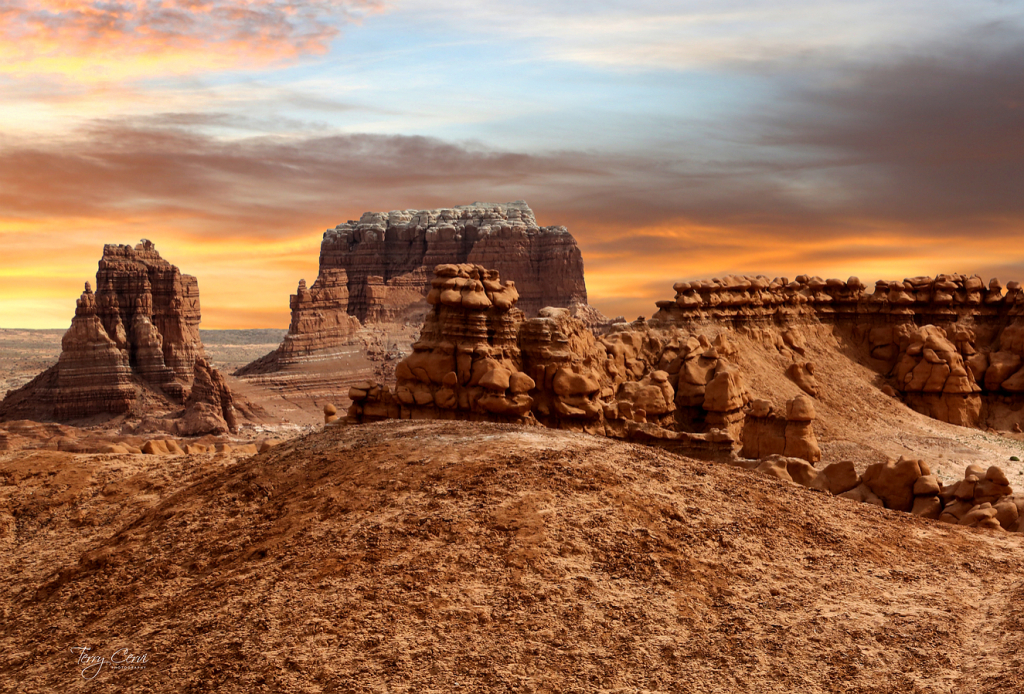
952 346
139 330
320 325
325 351
388 256
479 357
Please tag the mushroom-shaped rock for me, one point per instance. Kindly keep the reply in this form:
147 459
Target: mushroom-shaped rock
760 408
521 383
927 485
995 474
725 392
496 379
568 384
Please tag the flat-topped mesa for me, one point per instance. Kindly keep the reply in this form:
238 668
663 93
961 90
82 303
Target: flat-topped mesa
388 256
140 327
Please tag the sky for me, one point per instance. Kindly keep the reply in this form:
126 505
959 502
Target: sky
675 140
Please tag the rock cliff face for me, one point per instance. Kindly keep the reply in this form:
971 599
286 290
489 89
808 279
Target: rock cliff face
480 358
952 347
320 325
389 256
143 296
139 330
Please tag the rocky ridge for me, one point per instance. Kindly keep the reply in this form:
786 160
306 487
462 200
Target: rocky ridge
951 347
665 382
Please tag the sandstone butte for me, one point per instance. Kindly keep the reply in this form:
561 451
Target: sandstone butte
377 269
133 346
388 256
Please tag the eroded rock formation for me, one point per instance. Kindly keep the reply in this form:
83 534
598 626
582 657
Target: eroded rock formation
790 434
138 332
479 357
952 347
319 328
210 407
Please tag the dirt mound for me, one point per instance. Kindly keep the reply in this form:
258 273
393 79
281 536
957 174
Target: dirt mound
459 556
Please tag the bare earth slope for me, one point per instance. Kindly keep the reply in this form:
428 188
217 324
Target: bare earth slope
411 556
857 421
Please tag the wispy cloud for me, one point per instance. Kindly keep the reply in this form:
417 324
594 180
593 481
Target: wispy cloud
167 167
118 38
696 34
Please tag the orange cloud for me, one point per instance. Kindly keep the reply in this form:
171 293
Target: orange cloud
862 190
103 40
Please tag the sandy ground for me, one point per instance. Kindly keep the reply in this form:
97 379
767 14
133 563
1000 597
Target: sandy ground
26 353
228 350
441 557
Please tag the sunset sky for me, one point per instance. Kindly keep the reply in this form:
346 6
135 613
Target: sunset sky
676 140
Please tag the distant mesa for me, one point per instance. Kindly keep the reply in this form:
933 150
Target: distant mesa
377 270
133 346
389 256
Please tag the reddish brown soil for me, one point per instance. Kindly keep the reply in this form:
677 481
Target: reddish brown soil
440 557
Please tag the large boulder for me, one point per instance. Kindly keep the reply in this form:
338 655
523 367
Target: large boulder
893 482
